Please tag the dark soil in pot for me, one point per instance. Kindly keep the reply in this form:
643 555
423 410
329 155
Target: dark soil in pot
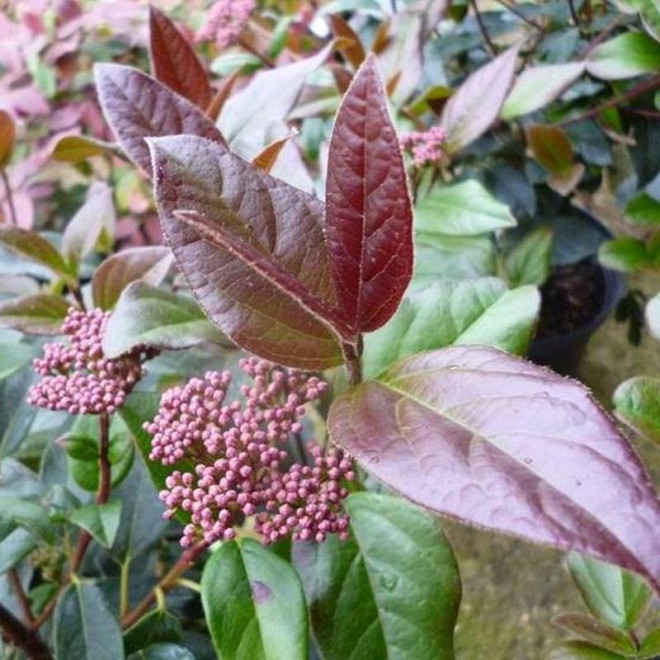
576 300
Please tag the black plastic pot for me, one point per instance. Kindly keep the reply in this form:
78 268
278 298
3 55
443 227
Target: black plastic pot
562 352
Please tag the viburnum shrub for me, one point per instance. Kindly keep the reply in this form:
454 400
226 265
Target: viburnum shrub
240 443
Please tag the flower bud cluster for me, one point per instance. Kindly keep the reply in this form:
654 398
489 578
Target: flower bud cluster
225 22
238 463
77 377
425 146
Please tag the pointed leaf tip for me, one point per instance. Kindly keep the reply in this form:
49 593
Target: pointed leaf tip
368 207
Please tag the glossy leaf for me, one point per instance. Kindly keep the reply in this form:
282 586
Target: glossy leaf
137 107
625 56
390 591
652 315
30 515
530 260
261 269
478 311
637 403
84 229
76 148
368 209
611 594
265 160
452 257
551 147
163 651
476 104
595 632
174 61
14 356
154 317
30 245
145 264
7 138
462 209
501 443
85 627
153 628
16 415
249 115
353 50
254 604
14 548
626 253
100 520
39 314
538 86
643 210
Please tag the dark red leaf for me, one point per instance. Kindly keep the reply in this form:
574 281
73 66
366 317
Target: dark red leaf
252 249
368 216
501 443
137 106
174 61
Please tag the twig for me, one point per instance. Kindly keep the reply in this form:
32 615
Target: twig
170 580
637 90
105 482
22 637
521 15
251 49
490 46
574 14
353 364
606 31
10 197
17 587
76 292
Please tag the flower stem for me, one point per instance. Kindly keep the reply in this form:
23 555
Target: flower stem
17 588
10 197
170 580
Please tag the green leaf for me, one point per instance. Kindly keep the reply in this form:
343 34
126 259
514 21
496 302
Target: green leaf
581 651
152 628
538 86
254 604
530 261
392 590
14 356
637 403
643 210
479 311
462 209
439 257
228 63
650 646
15 547
625 56
163 651
39 313
596 632
85 472
145 264
100 520
84 229
33 246
16 415
85 627
613 595
152 317
30 515
76 148
626 253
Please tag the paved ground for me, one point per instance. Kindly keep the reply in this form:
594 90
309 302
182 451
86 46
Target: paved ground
512 590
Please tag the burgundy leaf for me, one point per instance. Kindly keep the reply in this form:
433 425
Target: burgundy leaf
501 443
368 211
174 61
137 107
252 249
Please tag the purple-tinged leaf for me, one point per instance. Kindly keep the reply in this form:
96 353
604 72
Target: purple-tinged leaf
596 632
501 443
249 115
174 61
262 257
38 314
146 264
35 247
476 105
368 210
137 107
7 138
